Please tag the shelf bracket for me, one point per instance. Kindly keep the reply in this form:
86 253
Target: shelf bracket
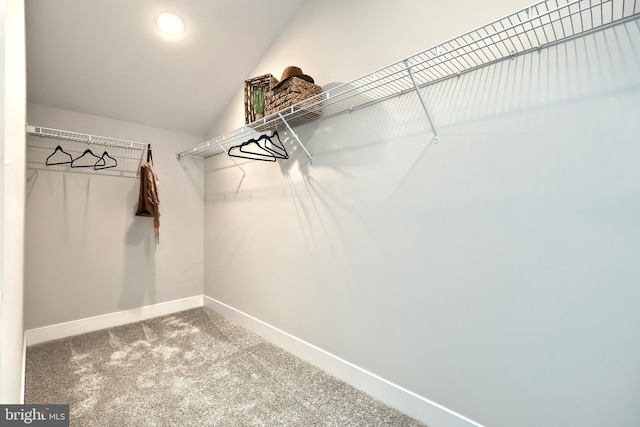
142 161
295 136
436 137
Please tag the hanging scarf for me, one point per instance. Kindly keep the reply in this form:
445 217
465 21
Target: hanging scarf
148 200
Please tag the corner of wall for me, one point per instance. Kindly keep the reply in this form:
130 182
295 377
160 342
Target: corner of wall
12 193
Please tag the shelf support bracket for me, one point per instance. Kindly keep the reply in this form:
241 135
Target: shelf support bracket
295 136
142 161
436 137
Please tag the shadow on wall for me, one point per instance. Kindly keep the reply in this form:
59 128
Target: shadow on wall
359 157
194 168
139 276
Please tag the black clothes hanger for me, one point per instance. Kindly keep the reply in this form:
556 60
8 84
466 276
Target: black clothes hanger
263 148
65 158
86 160
275 147
251 151
149 154
105 162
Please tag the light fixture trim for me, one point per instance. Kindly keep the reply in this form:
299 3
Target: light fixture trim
170 24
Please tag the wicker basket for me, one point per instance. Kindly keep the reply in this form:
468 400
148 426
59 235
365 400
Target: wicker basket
262 83
293 91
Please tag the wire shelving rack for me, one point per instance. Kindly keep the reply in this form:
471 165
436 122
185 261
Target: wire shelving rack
83 137
130 153
535 27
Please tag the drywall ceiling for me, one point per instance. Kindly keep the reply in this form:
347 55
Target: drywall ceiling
108 58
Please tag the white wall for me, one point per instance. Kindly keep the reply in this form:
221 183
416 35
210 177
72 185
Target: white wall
12 193
496 272
86 252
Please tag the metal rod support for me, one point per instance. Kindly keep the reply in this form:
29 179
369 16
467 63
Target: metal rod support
295 137
436 137
141 161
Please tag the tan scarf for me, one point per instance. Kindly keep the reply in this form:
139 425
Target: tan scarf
148 199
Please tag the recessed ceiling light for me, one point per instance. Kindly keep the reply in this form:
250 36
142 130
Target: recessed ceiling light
170 24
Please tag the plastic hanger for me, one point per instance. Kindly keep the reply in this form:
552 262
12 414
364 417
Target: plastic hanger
254 146
149 155
61 153
251 151
86 160
277 149
263 148
105 162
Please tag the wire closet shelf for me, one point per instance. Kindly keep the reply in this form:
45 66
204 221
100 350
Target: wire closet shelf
542 24
129 155
82 137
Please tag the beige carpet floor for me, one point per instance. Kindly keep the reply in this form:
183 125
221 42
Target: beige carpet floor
192 368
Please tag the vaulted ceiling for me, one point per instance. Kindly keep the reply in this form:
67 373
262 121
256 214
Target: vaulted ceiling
108 57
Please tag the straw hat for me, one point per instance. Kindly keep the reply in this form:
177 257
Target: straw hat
293 72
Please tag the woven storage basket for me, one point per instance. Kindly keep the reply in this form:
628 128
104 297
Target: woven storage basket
251 86
293 91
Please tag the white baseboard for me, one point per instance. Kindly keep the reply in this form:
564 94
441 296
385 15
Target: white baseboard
90 324
406 401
